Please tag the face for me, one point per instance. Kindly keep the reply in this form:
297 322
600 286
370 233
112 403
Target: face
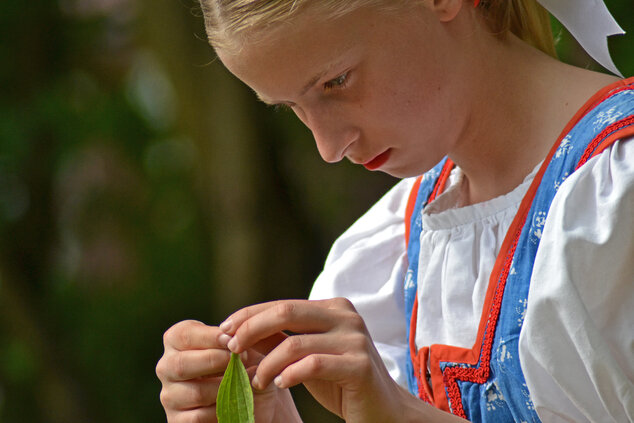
374 87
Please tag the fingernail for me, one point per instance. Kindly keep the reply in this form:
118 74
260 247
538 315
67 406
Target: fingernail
226 325
255 382
278 381
224 339
232 345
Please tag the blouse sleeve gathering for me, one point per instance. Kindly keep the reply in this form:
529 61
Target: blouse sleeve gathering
577 342
367 265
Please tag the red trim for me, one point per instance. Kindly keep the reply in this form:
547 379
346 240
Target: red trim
481 350
602 94
617 130
491 310
442 180
420 363
413 194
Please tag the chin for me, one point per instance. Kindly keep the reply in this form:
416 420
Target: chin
406 171
400 173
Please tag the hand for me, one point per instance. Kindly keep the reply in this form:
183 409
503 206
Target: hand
332 354
191 369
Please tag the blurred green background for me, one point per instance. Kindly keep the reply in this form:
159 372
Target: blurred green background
140 185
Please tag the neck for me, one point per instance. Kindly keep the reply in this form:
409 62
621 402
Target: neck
523 101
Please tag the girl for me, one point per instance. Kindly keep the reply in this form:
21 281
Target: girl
497 286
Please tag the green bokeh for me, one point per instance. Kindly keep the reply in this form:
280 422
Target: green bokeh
123 210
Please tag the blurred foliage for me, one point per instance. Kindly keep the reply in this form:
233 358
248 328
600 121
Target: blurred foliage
140 185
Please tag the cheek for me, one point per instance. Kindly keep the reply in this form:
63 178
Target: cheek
419 121
409 111
413 91
405 104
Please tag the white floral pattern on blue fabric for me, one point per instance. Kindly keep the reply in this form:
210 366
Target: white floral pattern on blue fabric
564 148
539 220
409 280
505 354
606 117
494 397
521 310
560 181
430 175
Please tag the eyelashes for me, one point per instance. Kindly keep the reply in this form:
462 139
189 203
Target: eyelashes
337 83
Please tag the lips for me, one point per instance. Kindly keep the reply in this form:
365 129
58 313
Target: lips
378 161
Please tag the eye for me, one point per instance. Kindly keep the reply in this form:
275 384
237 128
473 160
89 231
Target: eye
337 83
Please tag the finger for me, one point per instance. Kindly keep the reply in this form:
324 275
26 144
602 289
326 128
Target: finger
231 324
267 345
186 365
295 315
334 368
191 394
193 335
199 415
295 348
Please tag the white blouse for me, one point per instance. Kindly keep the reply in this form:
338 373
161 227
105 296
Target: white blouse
577 342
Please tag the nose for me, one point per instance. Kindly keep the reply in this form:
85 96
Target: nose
332 136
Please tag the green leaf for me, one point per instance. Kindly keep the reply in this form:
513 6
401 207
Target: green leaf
235 398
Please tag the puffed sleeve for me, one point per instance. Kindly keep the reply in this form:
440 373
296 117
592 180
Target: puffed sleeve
367 265
577 342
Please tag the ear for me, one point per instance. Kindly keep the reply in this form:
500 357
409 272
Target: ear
447 10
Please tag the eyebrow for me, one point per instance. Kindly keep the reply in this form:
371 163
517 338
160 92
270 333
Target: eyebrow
314 80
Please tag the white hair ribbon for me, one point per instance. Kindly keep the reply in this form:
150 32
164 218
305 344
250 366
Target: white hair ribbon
591 23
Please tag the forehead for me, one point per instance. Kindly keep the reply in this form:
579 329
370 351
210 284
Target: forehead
279 61
294 51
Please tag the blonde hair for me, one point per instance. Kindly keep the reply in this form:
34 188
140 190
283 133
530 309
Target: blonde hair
527 19
228 22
